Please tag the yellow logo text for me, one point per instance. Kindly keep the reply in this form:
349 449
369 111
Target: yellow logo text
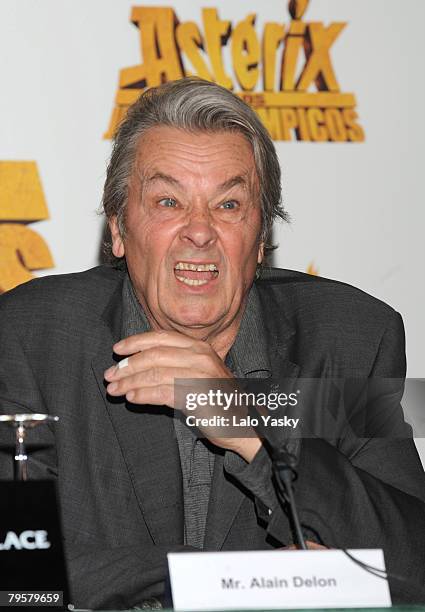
284 72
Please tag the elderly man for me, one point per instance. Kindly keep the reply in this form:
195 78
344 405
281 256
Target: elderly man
192 189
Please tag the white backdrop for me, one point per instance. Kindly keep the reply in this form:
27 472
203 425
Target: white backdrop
357 209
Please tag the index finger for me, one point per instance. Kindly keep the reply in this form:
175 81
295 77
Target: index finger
139 342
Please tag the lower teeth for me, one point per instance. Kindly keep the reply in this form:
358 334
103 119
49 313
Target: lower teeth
191 281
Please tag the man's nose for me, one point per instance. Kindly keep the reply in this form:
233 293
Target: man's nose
199 229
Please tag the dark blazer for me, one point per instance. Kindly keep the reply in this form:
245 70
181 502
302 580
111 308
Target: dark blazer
118 467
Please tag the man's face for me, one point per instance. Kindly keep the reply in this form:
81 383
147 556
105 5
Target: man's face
193 222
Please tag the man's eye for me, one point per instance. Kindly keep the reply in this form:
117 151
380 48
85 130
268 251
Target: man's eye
229 205
168 202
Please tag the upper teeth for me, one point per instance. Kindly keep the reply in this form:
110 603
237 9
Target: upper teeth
196 268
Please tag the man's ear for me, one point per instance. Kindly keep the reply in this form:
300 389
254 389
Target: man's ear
117 241
260 256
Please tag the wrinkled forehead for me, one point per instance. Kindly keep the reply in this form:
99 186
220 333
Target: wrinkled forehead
222 156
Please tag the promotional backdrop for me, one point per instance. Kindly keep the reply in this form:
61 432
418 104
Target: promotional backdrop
337 82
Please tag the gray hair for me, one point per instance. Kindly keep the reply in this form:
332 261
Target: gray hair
193 104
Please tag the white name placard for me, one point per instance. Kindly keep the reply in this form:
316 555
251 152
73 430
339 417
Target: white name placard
276 579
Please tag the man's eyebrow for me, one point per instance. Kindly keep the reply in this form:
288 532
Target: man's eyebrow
234 181
160 176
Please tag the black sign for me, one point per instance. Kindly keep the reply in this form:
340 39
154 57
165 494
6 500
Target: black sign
31 550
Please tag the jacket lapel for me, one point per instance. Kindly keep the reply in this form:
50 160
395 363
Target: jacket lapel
147 441
224 504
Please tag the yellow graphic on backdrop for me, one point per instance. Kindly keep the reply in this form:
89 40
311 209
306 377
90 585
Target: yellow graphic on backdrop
299 98
21 201
312 269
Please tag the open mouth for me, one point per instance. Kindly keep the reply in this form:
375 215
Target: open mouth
195 275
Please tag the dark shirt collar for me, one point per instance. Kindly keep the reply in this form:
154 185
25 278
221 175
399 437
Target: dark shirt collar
134 320
249 353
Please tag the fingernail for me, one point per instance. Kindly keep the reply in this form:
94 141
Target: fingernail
130 395
123 363
110 371
112 387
